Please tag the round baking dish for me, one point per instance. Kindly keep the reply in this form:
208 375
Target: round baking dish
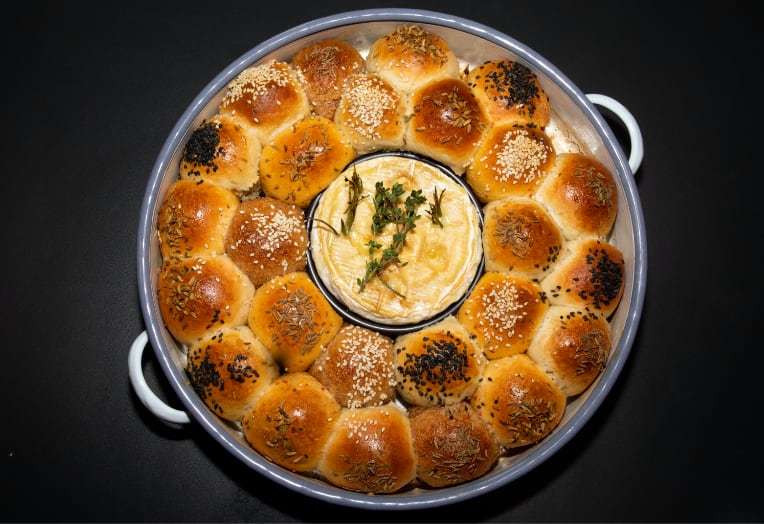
474 43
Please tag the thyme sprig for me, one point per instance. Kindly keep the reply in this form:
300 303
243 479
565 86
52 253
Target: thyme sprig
436 210
388 211
355 195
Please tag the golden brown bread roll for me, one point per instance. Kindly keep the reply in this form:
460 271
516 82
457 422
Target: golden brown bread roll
370 450
518 401
581 195
410 56
509 92
302 160
267 238
572 345
357 367
194 218
201 295
511 161
438 364
452 443
519 237
370 114
446 123
590 276
293 319
503 313
223 150
325 66
229 369
291 421
269 97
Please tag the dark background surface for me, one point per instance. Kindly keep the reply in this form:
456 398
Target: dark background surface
90 95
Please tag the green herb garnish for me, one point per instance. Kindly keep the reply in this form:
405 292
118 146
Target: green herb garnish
326 225
355 195
387 211
435 211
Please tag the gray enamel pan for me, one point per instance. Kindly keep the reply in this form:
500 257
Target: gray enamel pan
475 43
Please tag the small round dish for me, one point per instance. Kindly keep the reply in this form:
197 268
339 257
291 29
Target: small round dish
390 329
476 43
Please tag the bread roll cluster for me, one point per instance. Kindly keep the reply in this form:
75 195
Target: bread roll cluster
265 349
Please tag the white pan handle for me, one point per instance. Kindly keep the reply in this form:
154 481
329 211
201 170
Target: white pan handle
635 135
148 398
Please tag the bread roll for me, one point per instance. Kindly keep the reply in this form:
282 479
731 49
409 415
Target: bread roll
518 401
452 444
228 369
201 295
302 160
572 346
269 97
370 114
293 319
509 92
325 66
193 219
358 368
267 238
410 56
511 161
446 123
519 237
581 195
503 313
223 150
590 276
438 364
292 421
370 450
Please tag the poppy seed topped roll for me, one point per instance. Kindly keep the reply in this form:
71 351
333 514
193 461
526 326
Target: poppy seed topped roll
224 150
510 93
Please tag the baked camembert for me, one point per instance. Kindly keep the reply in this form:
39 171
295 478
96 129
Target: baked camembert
437 263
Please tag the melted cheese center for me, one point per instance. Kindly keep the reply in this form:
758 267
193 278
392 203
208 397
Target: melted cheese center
440 263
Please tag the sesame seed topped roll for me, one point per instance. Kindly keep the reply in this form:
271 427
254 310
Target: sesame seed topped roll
370 114
267 238
520 237
358 367
503 313
509 92
572 346
229 369
590 275
511 161
269 97
447 123
223 150
291 422
193 219
201 295
325 66
439 364
293 319
452 444
518 401
302 160
581 195
370 450
411 56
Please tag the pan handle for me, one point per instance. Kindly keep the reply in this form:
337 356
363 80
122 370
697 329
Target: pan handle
153 403
635 135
